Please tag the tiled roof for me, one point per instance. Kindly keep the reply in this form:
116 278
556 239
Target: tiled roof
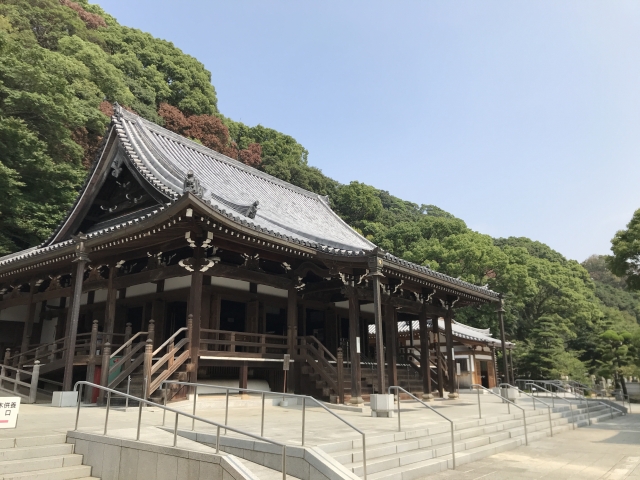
164 159
230 187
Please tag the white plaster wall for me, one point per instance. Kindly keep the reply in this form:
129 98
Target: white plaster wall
276 292
230 283
142 289
15 314
100 296
176 283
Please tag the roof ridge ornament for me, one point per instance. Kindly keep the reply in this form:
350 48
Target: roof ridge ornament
192 184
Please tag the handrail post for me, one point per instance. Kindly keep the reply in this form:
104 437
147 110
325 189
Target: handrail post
35 375
262 418
175 431
453 448
588 413
524 420
195 400
550 422
104 371
78 407
284 462
364 455
304 404
226 411
166 394
479 407
106 417
140 412
148 361
398 393
15 384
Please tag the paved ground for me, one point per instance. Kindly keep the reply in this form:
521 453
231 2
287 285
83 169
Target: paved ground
608 450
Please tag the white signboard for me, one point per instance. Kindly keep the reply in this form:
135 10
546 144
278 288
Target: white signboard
9 407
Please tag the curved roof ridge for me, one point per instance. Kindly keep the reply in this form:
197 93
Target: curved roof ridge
187 143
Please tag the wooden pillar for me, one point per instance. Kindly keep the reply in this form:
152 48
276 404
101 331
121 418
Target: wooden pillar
292 319
158 313
110 305
354 350
205 322
91 364
195 309
391 323
292 337
214 319
425 361
244 379
375 264
505 367
28 325
451 361
74 311
435 326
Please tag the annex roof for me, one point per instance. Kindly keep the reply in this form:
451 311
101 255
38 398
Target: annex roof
460 330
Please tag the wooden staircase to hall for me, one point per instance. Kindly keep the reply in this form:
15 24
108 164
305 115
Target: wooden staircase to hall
320 373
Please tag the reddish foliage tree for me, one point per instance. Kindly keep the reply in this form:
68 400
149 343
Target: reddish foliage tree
252 155
91 20
212 133
174 119
106 108
207 129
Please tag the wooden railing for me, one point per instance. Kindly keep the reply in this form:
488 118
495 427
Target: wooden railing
321 361
130 356
175 352
50 353
228 341
13 380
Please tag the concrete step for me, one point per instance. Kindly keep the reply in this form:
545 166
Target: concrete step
21 453
63 473
417 453
44 457
39 463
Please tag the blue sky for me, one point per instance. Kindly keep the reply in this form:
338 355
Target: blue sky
521 118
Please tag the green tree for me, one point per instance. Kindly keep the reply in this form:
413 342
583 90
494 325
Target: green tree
625 245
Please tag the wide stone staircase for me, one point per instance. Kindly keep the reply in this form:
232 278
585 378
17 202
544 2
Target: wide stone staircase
47 457
418 452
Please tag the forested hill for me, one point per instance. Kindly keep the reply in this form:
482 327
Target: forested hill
64 63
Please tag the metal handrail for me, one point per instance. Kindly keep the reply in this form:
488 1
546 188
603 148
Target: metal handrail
128 342
264 393
140 401
559 397
509 402
601 403
453 447
172 337
507 385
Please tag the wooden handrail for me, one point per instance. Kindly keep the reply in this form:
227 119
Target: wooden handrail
251 334
128 342
170 339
